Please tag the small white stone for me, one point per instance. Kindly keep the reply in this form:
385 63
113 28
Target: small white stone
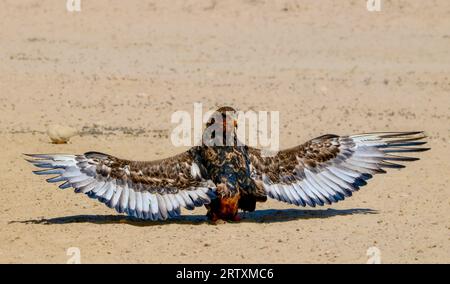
60 134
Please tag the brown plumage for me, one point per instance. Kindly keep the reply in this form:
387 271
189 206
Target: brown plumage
228 177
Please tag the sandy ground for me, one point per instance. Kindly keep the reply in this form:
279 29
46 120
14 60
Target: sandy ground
118 71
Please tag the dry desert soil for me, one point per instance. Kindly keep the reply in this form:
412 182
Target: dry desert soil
117 70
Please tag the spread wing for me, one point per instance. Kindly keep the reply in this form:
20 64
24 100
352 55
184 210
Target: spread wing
152 190
329 168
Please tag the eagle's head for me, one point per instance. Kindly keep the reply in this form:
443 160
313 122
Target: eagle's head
224 121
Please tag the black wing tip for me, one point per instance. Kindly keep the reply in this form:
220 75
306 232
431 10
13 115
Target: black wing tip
404 150
359 182
393 166
366 176
400 158
404 142
95 153
422 149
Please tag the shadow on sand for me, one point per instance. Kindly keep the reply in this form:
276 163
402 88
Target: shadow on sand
260 216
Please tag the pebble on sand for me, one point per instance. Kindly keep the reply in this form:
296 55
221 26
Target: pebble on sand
60 134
